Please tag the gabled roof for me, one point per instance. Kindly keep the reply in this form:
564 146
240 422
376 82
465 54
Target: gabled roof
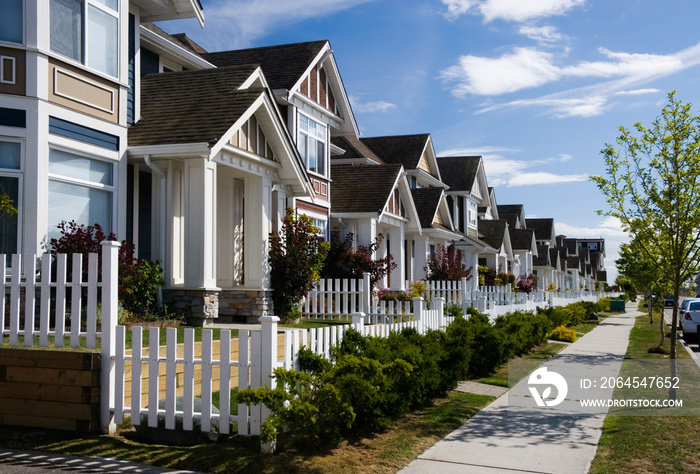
459 172
362 188
543 227
493 232
191 106
571 246
573 263
161 11
283 65
402 149
427 201
522 239
354 149
543 258
554 257
510 209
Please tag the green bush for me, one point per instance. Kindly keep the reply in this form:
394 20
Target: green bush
315 412
562 333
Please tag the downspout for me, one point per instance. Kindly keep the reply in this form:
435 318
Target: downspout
163 190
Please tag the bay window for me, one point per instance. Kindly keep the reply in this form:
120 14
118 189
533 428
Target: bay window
81 189
87 31
312 144
10 177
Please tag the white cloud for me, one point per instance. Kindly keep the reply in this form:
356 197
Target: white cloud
456 8
524 68
624 74
502 170
510 10
239 23
638 92
371 107
524 10
528 67
542 34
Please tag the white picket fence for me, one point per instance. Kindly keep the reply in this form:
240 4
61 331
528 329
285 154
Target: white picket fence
164 374
338 299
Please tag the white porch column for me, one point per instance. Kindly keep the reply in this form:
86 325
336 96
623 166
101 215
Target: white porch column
257 227
397 250
471 260
200 223
366 232
421 259
279 206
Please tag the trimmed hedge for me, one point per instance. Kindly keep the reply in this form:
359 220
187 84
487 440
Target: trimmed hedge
370 382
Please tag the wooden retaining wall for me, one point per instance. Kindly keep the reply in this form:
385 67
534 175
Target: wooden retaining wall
50 389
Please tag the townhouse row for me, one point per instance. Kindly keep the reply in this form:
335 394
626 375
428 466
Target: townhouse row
193 156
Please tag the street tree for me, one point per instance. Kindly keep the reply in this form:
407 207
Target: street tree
641 270
653 187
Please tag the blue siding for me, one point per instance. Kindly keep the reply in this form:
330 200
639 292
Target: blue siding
84 134
130 95
13 117
149 62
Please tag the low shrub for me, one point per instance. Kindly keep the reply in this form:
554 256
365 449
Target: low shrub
562 333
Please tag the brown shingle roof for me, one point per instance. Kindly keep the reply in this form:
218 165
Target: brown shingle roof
354 148
191 106
459 172
402 149
493 232
521 239
362 188
283 65
543 227
427 201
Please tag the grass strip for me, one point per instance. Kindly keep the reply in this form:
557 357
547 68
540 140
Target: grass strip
649 444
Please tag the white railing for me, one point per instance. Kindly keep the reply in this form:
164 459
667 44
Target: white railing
330 298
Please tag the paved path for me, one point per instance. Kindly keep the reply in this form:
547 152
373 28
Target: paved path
518 439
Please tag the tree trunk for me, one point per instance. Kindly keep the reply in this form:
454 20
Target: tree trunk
651 308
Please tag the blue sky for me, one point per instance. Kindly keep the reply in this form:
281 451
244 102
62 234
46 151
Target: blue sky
537 87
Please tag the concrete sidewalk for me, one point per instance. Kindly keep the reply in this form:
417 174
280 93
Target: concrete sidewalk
507 439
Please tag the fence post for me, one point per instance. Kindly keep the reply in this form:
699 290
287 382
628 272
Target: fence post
358 322
268 363
366 293
110 285
417 308
439 304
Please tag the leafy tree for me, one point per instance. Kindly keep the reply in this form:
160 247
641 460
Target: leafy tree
343 261
446 264
640 271
6 206
653 187
296 258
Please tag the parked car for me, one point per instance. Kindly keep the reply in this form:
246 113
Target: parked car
683 307
669 300
690 319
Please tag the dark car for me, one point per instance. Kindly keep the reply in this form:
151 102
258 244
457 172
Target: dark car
669 300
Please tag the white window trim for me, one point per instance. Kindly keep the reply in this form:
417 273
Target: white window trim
326 150
113 188
19 174
13 68
83 63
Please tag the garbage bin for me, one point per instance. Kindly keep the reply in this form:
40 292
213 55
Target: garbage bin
617 305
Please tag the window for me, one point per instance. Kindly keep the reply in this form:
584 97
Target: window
80 189
10 175
12 21
312 144
472 211
87 31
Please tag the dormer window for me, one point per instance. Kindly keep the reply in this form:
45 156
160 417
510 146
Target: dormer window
87 31
312 144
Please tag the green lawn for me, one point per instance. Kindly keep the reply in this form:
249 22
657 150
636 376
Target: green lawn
650 444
